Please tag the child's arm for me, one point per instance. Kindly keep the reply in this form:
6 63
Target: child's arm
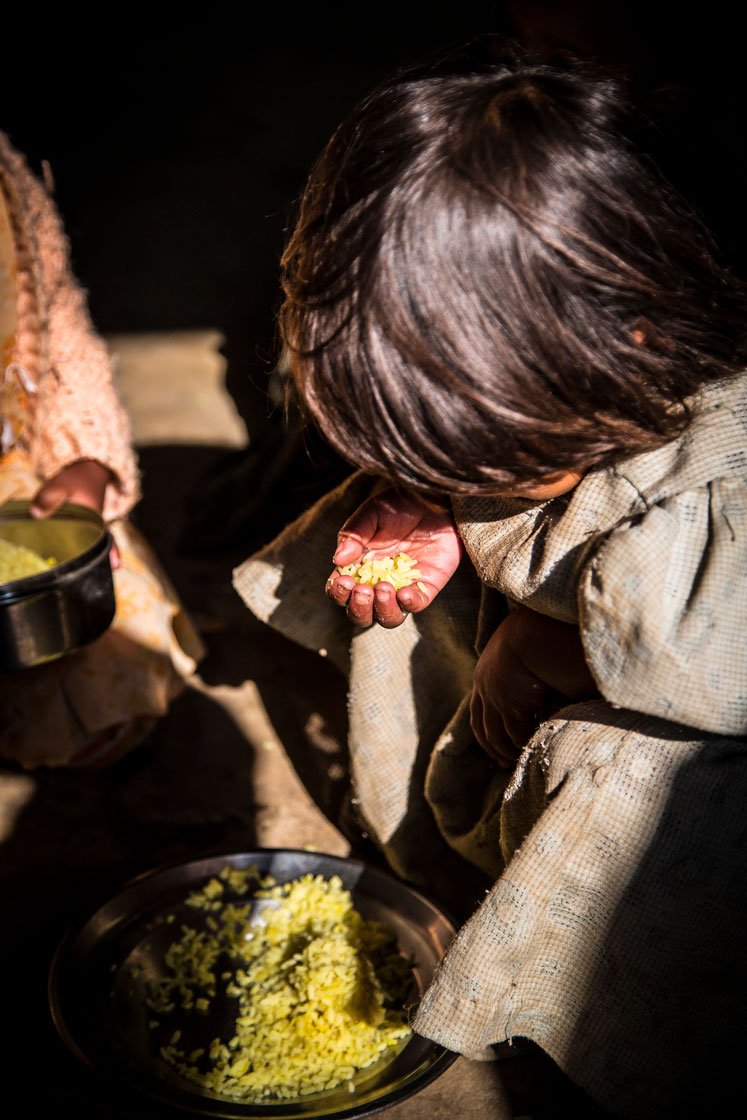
388 523
529 667
78 417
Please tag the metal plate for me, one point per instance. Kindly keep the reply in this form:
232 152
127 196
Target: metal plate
99 976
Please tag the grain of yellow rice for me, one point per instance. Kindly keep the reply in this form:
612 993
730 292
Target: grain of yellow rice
319 989
18 562
398 570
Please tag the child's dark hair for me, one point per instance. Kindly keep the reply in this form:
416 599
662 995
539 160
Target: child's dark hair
489 283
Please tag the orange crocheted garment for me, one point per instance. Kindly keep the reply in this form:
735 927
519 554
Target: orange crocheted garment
61 369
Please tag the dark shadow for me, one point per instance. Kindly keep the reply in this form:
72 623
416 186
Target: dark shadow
686 77
76 842
537 1087
249 495
673 959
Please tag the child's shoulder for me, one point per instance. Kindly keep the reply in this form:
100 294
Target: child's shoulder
662 601
714 446
536 552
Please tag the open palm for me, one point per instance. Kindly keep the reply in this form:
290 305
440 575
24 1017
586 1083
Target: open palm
388 523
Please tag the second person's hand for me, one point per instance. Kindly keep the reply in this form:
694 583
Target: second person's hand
83 482
386 524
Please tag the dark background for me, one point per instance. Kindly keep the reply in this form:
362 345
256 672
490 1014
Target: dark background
178 154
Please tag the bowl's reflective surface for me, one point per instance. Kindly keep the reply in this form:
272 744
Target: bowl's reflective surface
45 616
100 976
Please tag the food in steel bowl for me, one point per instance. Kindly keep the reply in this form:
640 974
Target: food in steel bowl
320 992
47 614
18 562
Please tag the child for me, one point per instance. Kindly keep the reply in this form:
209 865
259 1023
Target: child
66 437
499 311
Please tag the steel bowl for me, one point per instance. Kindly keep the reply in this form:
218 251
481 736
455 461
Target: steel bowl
100 976
46 616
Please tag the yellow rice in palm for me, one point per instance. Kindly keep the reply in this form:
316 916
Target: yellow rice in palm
320 990
398 570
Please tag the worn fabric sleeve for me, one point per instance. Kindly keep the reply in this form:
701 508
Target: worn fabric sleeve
663 610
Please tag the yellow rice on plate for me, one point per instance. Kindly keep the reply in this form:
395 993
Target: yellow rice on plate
320 991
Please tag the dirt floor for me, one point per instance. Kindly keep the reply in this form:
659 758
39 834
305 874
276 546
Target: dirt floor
248 756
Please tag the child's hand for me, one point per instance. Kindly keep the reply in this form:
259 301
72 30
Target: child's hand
388 523
84 482
530 667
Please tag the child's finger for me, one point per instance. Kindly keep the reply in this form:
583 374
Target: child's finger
386 609
360 605
338 588
487 727
505 757
476 719
500 744
522 700
349 549
48 499
520 728
412 599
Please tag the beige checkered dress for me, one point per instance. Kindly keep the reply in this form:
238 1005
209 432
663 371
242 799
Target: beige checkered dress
608 870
